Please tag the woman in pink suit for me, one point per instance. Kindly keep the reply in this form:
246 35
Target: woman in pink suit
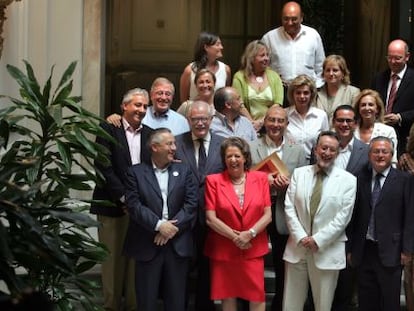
237 212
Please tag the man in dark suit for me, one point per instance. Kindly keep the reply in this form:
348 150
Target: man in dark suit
399 104
382 233
188 151
162 201
293 156
353 153
352 157
128 148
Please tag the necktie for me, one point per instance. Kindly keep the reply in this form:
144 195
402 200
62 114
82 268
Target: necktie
393 93
371 234
201 157
316 193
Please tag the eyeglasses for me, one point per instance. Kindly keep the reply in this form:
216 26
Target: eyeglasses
341 120
379 151
200 119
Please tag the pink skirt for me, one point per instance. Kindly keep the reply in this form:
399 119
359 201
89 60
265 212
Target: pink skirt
242 278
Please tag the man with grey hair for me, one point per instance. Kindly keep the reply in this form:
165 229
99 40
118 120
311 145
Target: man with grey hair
129 148
162 202
200 149
382 231
160 114
227 120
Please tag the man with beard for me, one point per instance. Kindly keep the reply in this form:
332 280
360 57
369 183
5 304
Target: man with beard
318 206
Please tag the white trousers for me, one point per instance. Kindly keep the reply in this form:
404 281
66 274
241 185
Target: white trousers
297 279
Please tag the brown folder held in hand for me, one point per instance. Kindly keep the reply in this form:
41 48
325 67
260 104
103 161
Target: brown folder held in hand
272 165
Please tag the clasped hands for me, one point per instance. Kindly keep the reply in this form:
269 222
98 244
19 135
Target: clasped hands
167 231
309 243
279 181
242 239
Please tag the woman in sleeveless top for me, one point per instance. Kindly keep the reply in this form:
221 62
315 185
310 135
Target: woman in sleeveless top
208 49
258 85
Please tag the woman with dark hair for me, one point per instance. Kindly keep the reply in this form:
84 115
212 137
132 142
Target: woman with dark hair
205 82
237 213
208 49
259 86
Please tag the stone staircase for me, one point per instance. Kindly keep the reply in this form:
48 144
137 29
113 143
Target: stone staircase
269 276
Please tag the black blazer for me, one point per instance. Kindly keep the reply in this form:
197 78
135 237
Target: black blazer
144 202
403 104
393 216
120 161
186 153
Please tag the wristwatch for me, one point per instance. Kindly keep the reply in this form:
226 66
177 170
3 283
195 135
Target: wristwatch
253 232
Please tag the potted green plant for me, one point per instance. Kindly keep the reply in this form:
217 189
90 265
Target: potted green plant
43 229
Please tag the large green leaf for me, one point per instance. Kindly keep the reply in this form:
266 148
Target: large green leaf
65 155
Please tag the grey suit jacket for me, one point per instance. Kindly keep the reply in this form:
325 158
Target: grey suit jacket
359 158
293 156
186 153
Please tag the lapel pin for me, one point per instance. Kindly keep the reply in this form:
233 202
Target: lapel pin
175 174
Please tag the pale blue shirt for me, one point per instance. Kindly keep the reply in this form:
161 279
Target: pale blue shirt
243 128
170 119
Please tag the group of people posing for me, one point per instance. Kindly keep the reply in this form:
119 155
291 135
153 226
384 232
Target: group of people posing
180 195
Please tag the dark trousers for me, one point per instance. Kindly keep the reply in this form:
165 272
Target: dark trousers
345 289
278 242
165 276
203 301
379 287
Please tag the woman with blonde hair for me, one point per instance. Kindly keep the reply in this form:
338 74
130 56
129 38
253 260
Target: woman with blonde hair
259 86
369 113
305 121
337 89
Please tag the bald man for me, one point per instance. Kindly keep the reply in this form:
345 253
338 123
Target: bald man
400 109
293 156
295 48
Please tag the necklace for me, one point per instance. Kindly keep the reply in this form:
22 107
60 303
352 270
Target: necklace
259 79
238 183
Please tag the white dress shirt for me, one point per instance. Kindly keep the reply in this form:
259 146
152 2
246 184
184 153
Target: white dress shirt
305 131
162 178
292 57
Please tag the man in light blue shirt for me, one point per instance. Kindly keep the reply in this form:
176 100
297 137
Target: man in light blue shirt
227 120
159 114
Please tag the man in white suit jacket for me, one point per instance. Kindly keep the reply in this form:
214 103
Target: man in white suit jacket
315 251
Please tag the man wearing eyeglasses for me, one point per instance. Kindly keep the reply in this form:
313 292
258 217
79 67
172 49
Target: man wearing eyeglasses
160 114
200 150
396 87
381 230
352 157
